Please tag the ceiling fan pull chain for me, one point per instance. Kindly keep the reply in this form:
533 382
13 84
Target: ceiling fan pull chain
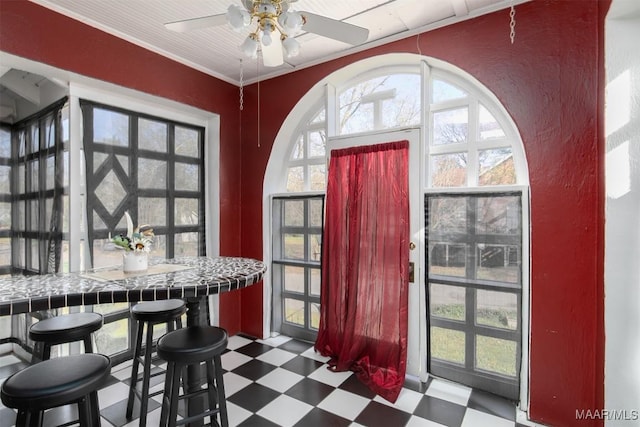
241 86
512 24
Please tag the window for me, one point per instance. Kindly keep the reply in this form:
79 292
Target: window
5 200
40 181
152 168
307 168
297 247
475 288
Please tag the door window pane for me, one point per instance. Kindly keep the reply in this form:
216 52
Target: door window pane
496 355
294 279
186 244
186 211
294 311
497 309
447 302
152 174
293 246
187 177
294 213
187 141
447 345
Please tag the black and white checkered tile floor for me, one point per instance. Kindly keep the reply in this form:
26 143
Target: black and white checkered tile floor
283 382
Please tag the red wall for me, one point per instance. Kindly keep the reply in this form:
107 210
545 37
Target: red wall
550 81
36 33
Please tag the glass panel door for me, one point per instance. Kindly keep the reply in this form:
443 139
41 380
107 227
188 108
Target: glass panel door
474 276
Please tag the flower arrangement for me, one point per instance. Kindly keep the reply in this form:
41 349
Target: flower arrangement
138 239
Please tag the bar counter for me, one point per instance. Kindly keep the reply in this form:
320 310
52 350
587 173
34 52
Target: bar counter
186 277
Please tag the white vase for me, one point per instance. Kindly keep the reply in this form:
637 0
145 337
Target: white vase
134 262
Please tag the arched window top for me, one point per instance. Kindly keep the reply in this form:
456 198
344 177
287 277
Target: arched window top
469 140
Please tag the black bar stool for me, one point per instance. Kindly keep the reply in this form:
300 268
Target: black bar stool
192 346
56 382
63 329
150 313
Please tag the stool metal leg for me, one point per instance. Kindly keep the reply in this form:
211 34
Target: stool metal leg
222 400
88 344
173 403
164 413
144 399
134 369
211 391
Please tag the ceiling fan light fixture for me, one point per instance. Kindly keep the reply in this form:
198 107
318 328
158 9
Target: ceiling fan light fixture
250 46
291 47
238 18
292 22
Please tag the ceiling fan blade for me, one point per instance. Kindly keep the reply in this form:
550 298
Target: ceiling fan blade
196 23
334 29
272 54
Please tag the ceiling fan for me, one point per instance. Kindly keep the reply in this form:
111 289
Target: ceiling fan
274 27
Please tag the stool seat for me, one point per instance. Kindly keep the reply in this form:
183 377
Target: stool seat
56 382
65 328
193 344
160 311
189 347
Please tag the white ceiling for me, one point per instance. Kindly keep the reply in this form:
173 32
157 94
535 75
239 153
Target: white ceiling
216 50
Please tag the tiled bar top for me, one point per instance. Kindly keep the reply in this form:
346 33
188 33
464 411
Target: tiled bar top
174 278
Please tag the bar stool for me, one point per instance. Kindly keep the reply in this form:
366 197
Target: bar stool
150 313
63 329
192 346
56 382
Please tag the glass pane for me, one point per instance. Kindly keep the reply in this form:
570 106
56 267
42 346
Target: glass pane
5 215
499 215
64 122
447 344
449 170
5 143
293 213
497 309
496 355
320 117
110 127
447 301
317 175
5 251
33 169
152 173
488 126
98 160
21 216
297 152
187 142
5 174
294 279
497 263
444 91
314 280
112 337
315 212
152 135
110 308
383 102
65 162
496 167
21 179
187 177
32 212
448 259
451 126
448 215
295 179
186 211
50 173
159 248
315 246
34 136
294 311
293 246
152 211
317 141
50 132
110 192
186 244
315 315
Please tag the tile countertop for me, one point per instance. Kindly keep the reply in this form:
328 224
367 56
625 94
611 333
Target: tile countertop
173 278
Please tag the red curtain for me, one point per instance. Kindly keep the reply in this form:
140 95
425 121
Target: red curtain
365 262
